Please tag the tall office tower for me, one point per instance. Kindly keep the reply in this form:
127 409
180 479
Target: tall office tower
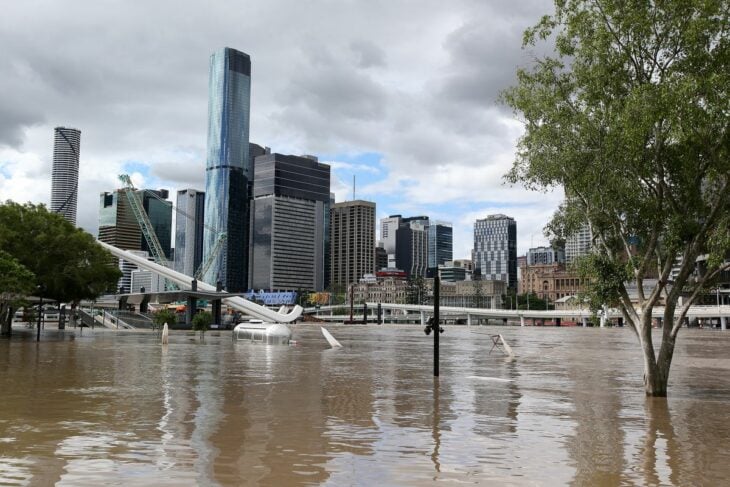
328 245
411 248
228 168
117 225
290 209
495 249
352 241
65 174
578 244
545 256
388 227
440 245
160 215
189 230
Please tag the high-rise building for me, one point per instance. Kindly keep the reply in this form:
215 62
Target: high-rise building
228 168
440 245
159 211
405 244
119 227
411 249
65 174
495 249
352 241
290 214
545 255
381 257
578 244
189 230
388 227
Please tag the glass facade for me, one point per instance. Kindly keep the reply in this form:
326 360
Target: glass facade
291 212
440 245
228 167
160 215
495 249
189 231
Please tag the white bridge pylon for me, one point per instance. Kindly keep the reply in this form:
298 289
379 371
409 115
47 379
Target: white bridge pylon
184 281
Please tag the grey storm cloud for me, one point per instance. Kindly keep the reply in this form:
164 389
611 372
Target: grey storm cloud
369 55
414 81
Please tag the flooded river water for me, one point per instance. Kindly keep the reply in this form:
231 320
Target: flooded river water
118 408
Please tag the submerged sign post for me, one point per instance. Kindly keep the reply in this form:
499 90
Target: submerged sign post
434 325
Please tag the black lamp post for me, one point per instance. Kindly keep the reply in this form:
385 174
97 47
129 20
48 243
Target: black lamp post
40 312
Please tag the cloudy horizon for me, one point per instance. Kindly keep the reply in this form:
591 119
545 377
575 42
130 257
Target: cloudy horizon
402 95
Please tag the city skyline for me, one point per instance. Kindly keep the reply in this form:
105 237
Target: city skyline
414 116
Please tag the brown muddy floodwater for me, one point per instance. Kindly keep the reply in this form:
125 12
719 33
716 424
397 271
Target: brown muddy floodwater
119 409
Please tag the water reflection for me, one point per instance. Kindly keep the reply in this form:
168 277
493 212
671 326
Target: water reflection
119 408
435 430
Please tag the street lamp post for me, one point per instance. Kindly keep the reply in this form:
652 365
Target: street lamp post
40 313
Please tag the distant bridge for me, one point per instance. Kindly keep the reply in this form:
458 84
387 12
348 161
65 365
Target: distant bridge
393 312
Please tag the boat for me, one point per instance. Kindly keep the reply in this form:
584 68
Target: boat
262 332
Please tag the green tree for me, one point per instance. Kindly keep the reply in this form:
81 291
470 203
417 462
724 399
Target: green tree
416 292
630 117
202 321
66 261
15 282
162 316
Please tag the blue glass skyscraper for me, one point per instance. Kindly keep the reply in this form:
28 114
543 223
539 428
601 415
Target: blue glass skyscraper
228 168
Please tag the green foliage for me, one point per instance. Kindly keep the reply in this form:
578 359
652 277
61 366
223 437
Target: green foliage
416 293
630 117
162 316
15 279
67 262
201 321
15 282
604 280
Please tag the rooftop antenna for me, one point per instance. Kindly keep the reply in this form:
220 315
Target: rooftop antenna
353 187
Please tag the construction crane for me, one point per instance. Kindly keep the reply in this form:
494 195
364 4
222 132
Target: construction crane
220 238
135 202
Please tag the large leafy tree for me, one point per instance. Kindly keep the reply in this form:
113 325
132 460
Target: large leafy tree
630 116
67 263
15 282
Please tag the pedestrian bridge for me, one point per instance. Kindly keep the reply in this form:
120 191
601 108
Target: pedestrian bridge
577 315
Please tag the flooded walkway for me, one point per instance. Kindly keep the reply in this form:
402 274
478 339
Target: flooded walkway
118 408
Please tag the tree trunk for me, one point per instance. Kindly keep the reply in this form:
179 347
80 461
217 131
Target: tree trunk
656 370
6 322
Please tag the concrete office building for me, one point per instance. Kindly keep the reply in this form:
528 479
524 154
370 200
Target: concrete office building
545 256
578 244
411 250
456 270
352 241
146 281
228 168
388 227
495 249
290 215
65 173
189 230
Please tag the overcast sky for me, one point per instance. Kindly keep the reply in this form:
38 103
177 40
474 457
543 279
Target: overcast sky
402 94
